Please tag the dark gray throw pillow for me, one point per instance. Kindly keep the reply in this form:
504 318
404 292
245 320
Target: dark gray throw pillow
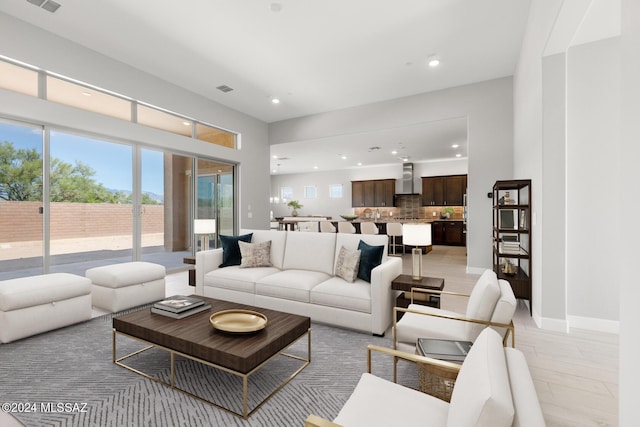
231 250
370 258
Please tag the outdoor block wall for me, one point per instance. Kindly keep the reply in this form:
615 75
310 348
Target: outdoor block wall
21 221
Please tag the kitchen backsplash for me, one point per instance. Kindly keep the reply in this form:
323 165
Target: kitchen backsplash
409 206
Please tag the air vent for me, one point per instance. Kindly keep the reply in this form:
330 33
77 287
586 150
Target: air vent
48 5
224 88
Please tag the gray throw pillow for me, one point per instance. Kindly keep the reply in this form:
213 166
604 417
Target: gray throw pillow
255 254
347 265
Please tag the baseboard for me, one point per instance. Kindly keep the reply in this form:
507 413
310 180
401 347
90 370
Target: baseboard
548 324
594 324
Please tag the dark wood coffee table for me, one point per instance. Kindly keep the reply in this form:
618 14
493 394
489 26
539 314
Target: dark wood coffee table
193 337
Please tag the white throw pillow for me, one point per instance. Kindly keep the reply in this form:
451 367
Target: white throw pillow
347 264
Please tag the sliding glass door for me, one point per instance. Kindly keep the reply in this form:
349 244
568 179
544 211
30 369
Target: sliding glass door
69 202
90 199
21 204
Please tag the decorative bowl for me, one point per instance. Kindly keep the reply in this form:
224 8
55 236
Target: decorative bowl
349 217
238 321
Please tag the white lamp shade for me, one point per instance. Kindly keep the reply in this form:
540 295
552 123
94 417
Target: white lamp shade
416 234
204 226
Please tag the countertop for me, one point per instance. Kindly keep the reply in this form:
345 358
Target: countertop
407 220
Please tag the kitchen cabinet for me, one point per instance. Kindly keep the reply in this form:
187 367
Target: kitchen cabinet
512 235
449 233
444 190
373 193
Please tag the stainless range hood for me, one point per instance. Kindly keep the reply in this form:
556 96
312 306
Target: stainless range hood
407 179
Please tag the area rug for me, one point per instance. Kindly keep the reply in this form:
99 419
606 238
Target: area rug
67 378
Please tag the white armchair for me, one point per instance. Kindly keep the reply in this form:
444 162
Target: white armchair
491 303
493 388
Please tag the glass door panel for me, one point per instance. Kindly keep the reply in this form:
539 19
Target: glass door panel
21 219
215 197
91 220
165 211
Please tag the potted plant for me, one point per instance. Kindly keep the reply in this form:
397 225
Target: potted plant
294 204
446 213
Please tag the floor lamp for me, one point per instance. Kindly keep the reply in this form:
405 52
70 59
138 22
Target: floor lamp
416 235
203 228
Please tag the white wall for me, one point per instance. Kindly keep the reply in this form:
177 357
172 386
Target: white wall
32 45
489 111
326 206
593 184
629 237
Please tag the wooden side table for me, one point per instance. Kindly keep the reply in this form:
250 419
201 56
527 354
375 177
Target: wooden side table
405 282
192 271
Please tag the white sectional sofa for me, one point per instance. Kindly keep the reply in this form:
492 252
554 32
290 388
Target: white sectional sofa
302 280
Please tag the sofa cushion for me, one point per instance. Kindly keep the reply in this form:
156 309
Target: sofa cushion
379 402
370 258
290 284
231 250
337 293
255 254
347 264
278 242
236 278
126 274
482 396
351 242
310 251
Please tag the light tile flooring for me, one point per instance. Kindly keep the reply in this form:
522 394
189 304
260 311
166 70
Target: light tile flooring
575 374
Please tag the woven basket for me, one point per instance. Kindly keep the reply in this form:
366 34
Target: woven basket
436 381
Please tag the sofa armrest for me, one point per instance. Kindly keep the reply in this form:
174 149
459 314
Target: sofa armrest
316 421
206 261
510 327
382 296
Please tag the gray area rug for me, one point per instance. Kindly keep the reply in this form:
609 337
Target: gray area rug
74 365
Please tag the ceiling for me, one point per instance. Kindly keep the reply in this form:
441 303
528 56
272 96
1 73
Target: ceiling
314 55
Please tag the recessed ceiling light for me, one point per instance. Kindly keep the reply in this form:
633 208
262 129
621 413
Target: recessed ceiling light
275 100
343 157
455 146
359 163
433 61
86 93
186 123
274 156
458 155
274 170
394 152
315 167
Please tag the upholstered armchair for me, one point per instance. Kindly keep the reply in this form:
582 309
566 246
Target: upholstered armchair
493 388
491 303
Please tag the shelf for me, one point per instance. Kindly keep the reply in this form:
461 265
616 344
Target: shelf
506 216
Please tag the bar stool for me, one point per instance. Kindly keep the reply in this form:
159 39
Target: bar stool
327 227
346 227
394 230
368 228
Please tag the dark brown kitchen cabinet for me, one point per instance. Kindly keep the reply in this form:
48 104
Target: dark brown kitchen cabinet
449 233
444 190
373 193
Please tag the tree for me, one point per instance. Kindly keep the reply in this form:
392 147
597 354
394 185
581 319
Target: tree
21 179
20 173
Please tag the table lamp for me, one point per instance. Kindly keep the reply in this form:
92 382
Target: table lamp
416 235
204 227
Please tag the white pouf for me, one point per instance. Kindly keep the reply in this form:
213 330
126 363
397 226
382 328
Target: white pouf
117 287
35 304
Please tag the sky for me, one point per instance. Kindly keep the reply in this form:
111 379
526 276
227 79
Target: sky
112 162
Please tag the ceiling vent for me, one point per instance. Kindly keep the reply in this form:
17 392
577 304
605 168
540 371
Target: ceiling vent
48 5
224 88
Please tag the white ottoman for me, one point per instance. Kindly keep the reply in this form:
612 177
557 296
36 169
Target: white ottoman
120 286
35 304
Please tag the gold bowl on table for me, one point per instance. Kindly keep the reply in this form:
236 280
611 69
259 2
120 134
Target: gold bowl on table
238 321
